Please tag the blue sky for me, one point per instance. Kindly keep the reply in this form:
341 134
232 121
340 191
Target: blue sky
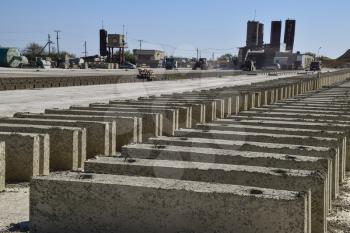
178 27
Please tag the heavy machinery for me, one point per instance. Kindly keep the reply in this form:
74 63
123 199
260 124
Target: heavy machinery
315 66
145 74
170 63
200 64
11 57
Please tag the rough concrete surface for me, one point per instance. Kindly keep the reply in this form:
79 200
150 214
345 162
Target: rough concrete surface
167 206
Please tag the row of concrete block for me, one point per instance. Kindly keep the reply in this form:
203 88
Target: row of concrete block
50 81
65 80
105 128
206 172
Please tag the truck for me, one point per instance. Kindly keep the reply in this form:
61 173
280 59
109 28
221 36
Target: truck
315 66
170 63
201 63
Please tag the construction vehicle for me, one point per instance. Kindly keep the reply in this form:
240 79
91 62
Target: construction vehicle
145 74
315 66
170 63
201 63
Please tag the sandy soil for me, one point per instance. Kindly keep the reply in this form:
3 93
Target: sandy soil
14 203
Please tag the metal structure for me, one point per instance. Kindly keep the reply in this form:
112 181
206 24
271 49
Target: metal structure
103 43
117 41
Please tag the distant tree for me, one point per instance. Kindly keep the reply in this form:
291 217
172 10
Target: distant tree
129 57
32 50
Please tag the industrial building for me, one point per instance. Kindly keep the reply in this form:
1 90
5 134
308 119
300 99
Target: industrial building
150 58
266 55
289 60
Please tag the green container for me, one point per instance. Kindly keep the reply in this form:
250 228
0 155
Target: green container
10 57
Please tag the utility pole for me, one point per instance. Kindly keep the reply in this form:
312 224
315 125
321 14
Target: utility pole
57 39
49 42
85 49
140 44
197 54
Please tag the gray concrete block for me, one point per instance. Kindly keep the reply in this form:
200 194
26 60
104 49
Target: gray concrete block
129 128
290 122
259 147
223 156
220 102
332 143
210 106
170 116
120 211
2 166
272 178
22 156
151 122
97 133
183 118
66 143
197 110
300 136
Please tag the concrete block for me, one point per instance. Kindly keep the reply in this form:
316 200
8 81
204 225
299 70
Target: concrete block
283 179
22 156
129 128
183 118
331 120
2 166
197 110
220 102
120 211
210 106
290 122
306 136
151 122
170 116
223 156
97 133
322 152
66 143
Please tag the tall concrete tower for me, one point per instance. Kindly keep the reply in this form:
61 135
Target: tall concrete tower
252 34
289 34
261 35
275 37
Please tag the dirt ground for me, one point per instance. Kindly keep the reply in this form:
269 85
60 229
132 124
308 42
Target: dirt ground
14 208
339 220
14 214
